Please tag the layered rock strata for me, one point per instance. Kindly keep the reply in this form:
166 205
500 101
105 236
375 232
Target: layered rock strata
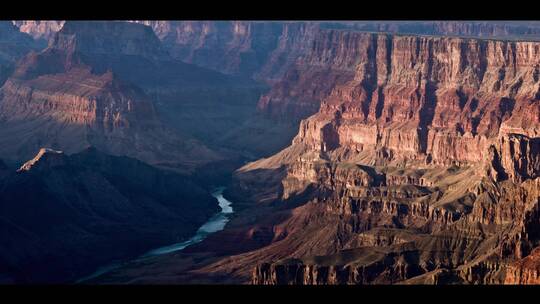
434 137
76 94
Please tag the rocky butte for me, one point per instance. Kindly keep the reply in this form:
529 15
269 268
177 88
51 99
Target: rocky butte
81 91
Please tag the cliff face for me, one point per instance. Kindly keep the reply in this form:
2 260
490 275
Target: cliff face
386 67
329 62
452 90
295 39
266 49
65 215
423 139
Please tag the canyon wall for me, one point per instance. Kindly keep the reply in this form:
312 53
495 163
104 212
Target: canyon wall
264 48
412 93
426 138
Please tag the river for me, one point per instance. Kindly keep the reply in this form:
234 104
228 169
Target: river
214 224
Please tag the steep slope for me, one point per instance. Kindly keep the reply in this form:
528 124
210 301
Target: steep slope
65 215
328 63
195 101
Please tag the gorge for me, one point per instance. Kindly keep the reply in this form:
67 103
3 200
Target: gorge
355 152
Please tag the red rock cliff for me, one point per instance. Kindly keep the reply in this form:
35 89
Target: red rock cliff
443 98
413 133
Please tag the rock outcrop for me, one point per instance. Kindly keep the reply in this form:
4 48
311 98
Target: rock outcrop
46 159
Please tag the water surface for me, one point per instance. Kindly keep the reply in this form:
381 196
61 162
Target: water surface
214 224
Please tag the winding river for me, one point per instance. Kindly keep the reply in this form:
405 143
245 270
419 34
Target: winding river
214 224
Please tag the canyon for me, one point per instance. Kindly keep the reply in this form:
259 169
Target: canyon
354 152
419 166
